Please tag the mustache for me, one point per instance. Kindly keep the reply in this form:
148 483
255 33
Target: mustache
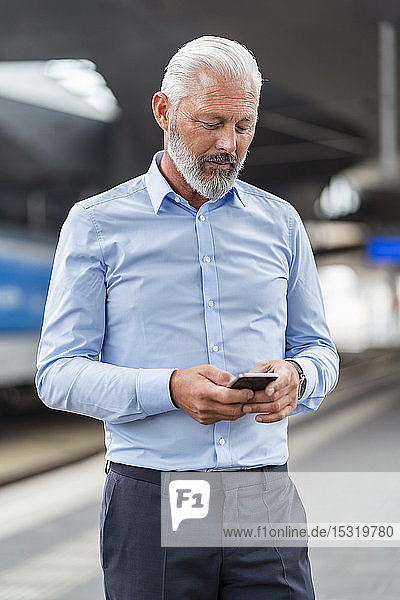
222 157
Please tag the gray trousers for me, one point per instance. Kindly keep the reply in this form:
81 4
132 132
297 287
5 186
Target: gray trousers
136 567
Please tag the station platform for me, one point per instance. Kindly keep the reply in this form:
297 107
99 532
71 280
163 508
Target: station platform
45 440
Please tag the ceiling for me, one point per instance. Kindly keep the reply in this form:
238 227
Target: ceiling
319 107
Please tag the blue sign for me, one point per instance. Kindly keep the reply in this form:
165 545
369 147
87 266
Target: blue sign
384 250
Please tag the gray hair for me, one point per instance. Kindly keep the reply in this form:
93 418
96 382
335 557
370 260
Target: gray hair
223 56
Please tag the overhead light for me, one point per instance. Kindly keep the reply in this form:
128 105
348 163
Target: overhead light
339 198
79 77
72 86
62 67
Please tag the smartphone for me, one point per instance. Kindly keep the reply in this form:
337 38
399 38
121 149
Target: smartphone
252 381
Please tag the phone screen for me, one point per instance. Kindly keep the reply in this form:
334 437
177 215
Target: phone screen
253 381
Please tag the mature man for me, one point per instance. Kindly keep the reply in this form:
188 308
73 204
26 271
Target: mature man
177 280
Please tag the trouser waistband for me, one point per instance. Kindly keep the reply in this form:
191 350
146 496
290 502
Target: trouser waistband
154 475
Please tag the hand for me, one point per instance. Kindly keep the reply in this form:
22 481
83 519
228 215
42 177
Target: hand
280 397
201 393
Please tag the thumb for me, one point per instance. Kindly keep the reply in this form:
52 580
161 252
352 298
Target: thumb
217 376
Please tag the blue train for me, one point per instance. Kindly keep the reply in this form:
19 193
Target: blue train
25 269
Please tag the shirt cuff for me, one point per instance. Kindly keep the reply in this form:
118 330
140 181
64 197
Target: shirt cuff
153 391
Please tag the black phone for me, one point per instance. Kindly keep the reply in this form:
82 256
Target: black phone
252 381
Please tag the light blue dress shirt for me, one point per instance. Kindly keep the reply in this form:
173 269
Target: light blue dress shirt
144 284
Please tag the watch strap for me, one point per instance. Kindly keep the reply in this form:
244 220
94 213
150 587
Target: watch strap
302 377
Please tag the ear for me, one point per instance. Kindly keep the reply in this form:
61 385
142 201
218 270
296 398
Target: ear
162 110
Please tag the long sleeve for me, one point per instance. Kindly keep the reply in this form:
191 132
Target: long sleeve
308 339
70 377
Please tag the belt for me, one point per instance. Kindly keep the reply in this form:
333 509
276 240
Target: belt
154 475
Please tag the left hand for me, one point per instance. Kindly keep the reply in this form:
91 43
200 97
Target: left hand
280 397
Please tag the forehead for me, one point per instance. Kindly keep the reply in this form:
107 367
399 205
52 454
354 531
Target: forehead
212 94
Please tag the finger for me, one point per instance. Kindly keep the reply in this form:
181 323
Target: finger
230 412
271 393
280 383
226 395
270 407
262 367
290 391
274 417
221 393
217 376
215 411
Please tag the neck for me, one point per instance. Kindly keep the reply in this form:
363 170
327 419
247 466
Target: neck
178 183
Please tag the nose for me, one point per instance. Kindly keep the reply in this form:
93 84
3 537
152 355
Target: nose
226 141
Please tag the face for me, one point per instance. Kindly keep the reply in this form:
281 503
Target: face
210 133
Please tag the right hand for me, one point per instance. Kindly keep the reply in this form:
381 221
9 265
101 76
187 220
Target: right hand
201 393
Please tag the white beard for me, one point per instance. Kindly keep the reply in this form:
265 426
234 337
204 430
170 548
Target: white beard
192 169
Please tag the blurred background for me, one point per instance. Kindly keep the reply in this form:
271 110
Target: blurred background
76 81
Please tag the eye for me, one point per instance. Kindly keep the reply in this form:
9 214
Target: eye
210 125
243 128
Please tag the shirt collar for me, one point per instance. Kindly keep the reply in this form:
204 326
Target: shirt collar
236 198
158 187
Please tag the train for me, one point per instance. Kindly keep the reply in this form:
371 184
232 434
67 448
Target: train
26 260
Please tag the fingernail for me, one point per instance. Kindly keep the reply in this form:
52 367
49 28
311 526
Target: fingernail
250 395
270 391
246 408
259 419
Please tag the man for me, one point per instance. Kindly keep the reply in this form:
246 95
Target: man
179 279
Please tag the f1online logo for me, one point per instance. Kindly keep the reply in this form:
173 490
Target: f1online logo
188 499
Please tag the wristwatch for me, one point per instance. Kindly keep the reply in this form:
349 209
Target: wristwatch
302 377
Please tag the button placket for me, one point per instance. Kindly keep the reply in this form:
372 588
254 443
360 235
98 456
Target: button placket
212 321
210 291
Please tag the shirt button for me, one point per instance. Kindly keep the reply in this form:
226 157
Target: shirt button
207 259
221 441
215 348
211 303
177 199
202 218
